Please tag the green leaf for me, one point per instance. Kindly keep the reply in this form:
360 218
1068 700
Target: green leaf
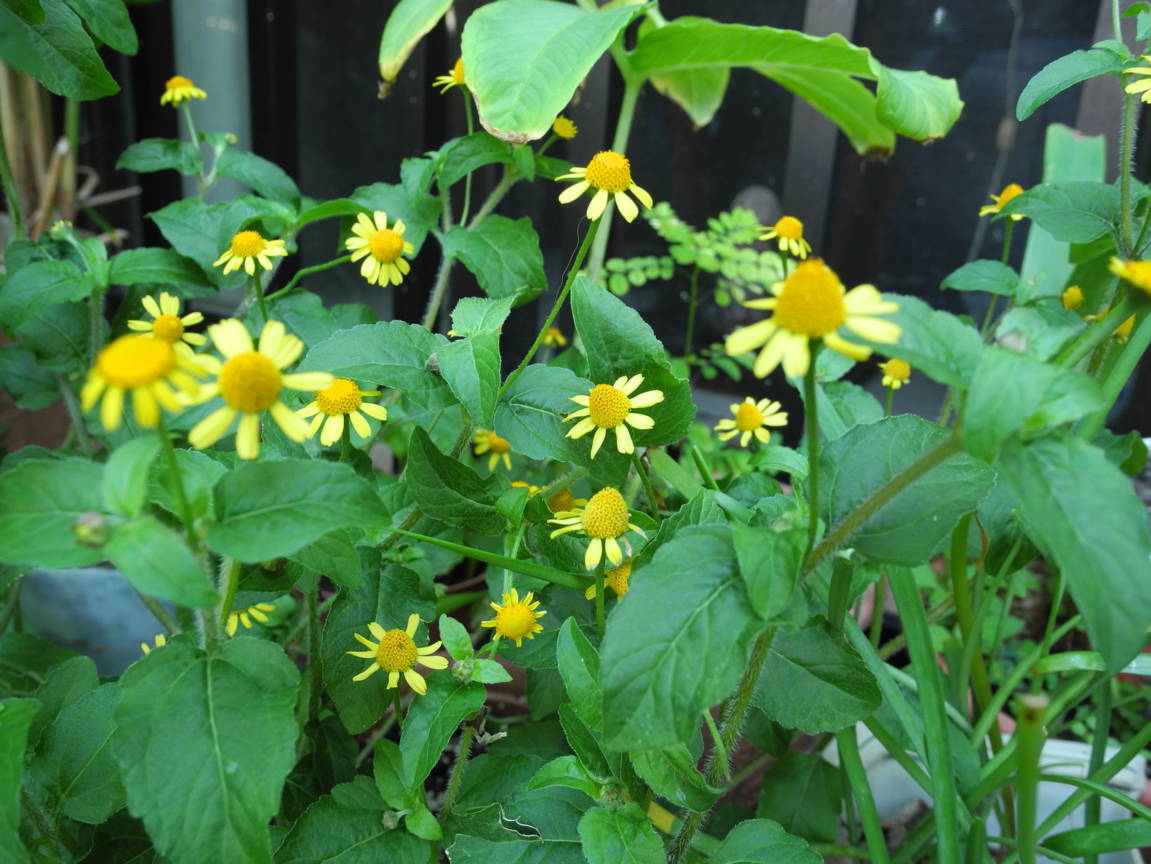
814 681
268 509
1039 330
416 207
109 22
911 526
513 848
387 597
983 275
126 475
585 744
474 315
843 406
144 265
1075 211
40 501
161 154
391 354
199 473
27 10
266 178
503 254
677 642
431 722
1064 485
456 638
770 562
1065 72
621 836
699 92
29 384
619 343
579 666
56 51
915 104
1127 451
565 771
1086 661
762 841
1121 836
471 365
409 22
58 336
219 731
328 210
15 717
388 771
934 342
671 773
203 231
334 555
461 156
509 53
40 286
449 490
74 763
64 684
157 561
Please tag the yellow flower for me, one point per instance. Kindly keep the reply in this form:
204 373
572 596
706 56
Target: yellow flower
1123 331
565 128
249 381
245 616
161 641
896 373
1136 273
609 406
178 90
487 441
604 519
609 173
517 619
342 399
1141 87
247 248
395 652
1072 298
789 232
381 248
812 304
166 323
523 484
1011 190
555 337
563 500
149 369
615 579
455 78
751 418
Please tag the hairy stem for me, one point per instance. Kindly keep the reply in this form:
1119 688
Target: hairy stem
812 415
307 271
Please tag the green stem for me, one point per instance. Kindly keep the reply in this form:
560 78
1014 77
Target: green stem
258 290
704 469
398 710
446 262
648 489
722 756
989 315
889 402
1095 335
468 180
11 605
1116 378
562 482
494 198
178 482
881 496
1116 26
632 86
812 415
229 581
95 322
692 303
1137 250
202 179
1032 709
14 211
314 685
572 273
158 611
74 413
346 441
875 632
1098 752
861 790
307 271
600 590
1126 148
456 780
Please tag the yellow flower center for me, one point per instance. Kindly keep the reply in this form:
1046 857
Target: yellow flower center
789 227
168 328
457 72
497 444
561 502
898 369
396 651
748 418
1011 190
812 300
606 514
177 81
617 579
608 406
610 171
515 620
343 397
386 245
250 382
133 361
248 244
1072 298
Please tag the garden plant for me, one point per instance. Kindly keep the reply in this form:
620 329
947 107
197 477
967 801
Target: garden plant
572 623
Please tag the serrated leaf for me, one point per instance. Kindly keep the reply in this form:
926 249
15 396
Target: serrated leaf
144 265
126 475
161 154
762 841
579 666
448 490
1065 72
256 172
431 722
618 836
39 286
40 501
503 254
934 342
157 561
461 156
56 51
983 275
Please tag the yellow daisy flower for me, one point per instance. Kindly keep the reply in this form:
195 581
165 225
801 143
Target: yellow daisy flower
1011 190
249 380
498 448
342 399
555 337
604 519
245 616
789 232
565 128
247 248
166 323
812 304
455 78
161 640
523 484
609 173
616 579
381 248
178 90
896 373
1072 298
609 406
1142 86
517 619
563 500
148 369
751 418
395 652
1136 273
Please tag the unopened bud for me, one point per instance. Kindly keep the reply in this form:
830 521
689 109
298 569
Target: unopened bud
90 529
